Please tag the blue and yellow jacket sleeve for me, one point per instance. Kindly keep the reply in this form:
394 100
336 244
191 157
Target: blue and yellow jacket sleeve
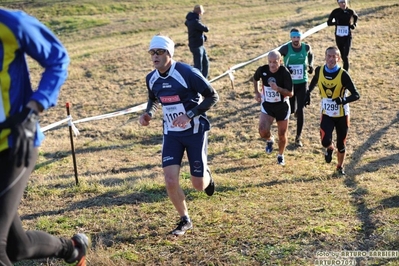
21 35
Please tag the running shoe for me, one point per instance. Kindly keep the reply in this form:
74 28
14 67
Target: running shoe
210 189
280 160
328 155
339 171
182 227
269 146
81 245
298 142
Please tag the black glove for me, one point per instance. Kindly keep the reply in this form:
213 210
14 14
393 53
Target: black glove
205 38
307 99
339 100
310 71
353 26
23 127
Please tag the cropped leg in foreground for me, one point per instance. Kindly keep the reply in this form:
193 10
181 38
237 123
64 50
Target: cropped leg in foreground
17 244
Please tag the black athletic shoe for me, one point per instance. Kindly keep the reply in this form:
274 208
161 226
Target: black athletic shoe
182 227
210 189
328 155
339 171
269 146
280 160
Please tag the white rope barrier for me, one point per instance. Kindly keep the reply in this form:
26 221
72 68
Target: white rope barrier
72 127
118 113
109 115
143 106
56 124
232 69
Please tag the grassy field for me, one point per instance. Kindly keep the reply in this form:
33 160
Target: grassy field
262 213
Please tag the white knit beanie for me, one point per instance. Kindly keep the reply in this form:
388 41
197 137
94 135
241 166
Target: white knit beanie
162 42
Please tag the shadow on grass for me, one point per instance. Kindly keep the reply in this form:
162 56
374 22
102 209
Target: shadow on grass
373 10
235 114
323 18
108 199
106 181
391 202
358 193
307 22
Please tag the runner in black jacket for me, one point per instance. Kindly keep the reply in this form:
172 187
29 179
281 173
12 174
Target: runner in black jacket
196 39
344 19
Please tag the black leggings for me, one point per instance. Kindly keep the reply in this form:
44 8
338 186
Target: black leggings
16 243
344 45
297 103
327 125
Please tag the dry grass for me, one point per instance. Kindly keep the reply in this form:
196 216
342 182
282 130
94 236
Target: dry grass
262 214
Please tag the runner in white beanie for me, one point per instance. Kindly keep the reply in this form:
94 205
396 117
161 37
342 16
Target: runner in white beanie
185 95
162 42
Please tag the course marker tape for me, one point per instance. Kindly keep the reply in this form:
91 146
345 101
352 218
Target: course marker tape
143 106
113 114
232 69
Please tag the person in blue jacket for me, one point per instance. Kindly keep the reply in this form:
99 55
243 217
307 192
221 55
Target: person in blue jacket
196 39
185 96
20 135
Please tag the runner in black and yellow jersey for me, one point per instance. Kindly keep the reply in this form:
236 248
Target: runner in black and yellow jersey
334 84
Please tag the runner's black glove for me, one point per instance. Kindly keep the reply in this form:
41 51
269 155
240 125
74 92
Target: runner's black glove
23 128
339 100
307 99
